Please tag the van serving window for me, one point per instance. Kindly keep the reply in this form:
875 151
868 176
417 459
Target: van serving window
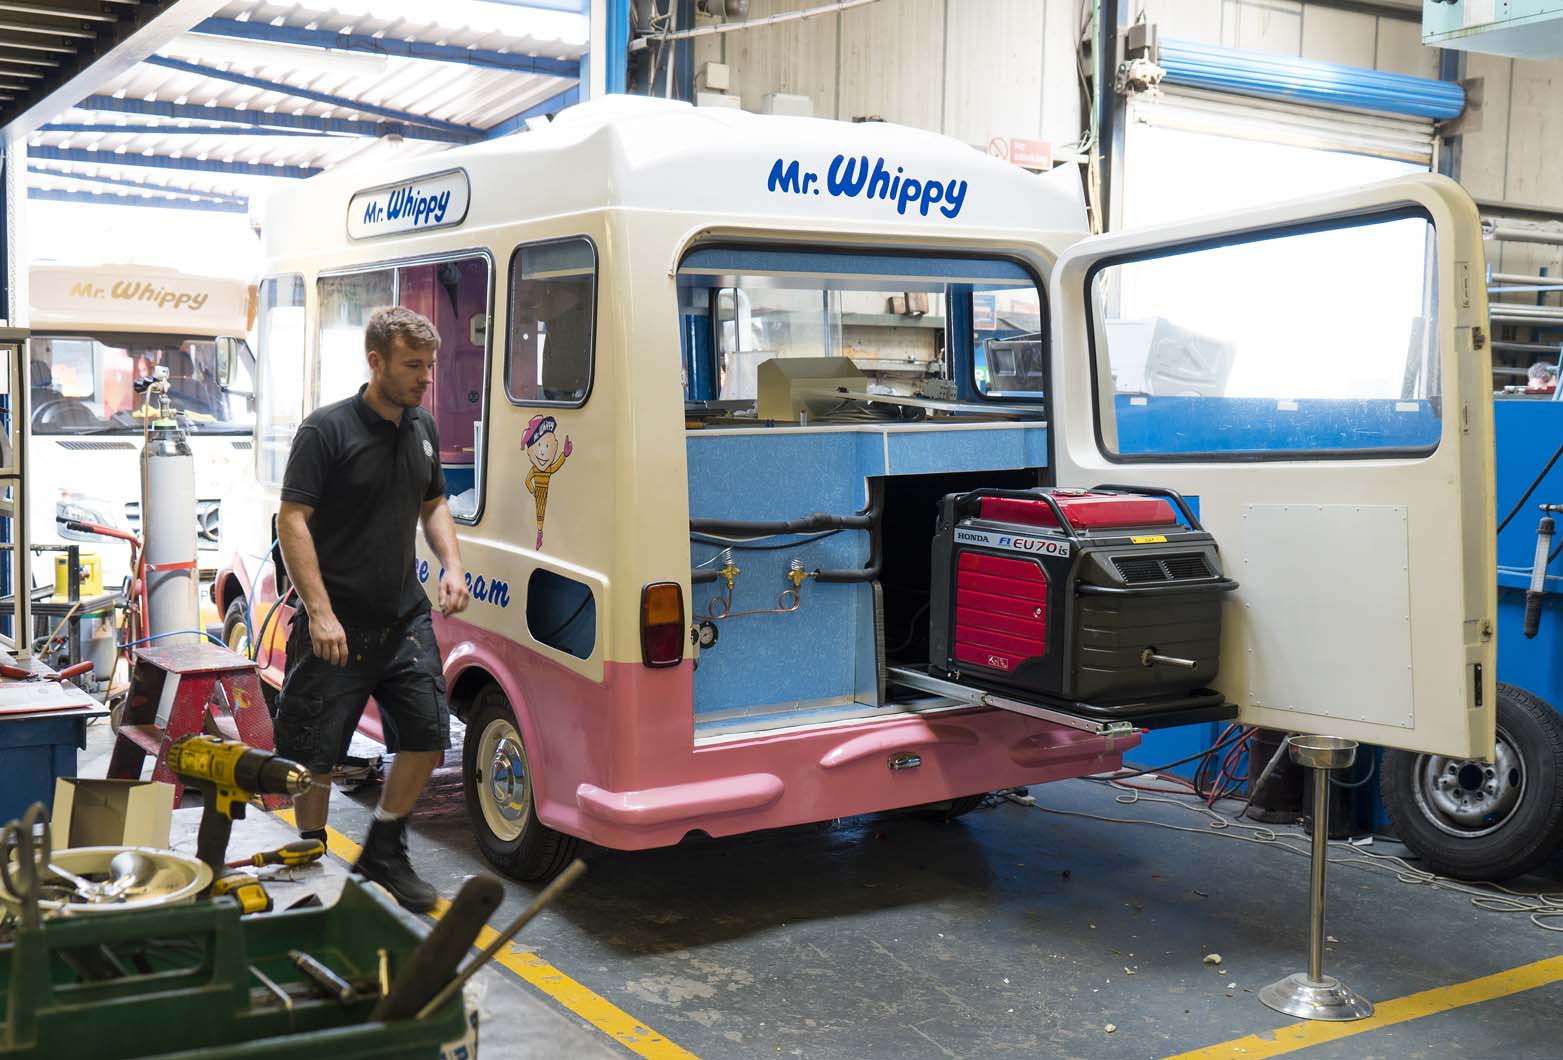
553 309
280 328
925 328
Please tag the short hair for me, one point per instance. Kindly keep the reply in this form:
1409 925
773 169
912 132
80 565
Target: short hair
389 323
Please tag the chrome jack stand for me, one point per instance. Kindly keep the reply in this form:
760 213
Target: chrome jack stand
1314 995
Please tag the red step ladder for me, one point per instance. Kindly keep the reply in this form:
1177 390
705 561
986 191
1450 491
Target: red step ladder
184 689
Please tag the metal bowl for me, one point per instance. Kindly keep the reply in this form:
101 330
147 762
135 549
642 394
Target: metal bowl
1321 752
178 880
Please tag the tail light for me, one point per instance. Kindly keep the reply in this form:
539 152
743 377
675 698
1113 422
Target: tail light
662 624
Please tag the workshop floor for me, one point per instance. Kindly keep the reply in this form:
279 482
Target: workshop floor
1015 931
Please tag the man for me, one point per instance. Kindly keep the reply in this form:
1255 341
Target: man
361 475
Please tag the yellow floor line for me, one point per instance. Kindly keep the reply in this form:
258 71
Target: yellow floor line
593 1008
1301 1035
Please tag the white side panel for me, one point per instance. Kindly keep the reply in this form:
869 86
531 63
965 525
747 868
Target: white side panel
1262 25
798 58
1198 20
1334 36
892 62
994 59
1346 662
1401 51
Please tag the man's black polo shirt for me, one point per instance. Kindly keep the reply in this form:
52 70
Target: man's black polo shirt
367 480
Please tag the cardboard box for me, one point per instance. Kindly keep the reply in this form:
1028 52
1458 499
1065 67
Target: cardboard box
92 812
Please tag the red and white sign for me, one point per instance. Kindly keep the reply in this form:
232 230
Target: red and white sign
1028 154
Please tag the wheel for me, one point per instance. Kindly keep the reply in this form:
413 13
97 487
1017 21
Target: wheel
498 786
1479 820
237 636
235 633
949 811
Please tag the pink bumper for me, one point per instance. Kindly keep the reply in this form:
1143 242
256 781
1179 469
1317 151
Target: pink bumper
615 763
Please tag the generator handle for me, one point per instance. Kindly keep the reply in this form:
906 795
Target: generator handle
1021 495
1161 491
1215 585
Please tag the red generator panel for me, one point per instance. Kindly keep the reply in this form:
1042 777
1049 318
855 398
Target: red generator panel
1099 597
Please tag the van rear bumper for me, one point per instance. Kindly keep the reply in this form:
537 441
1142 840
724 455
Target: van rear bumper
814 776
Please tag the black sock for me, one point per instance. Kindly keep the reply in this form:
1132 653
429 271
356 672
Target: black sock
313 833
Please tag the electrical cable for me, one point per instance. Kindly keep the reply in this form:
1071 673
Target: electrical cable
1540 907
1166 766
264 626
1349 784
911 630
1535 482
175 633
249 600
548 637
741 543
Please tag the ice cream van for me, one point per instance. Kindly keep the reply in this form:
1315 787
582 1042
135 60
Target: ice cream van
805 469
96 330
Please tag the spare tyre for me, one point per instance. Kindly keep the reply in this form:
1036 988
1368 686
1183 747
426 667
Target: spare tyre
1484 820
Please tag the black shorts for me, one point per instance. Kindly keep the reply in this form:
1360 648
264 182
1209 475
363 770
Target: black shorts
320 704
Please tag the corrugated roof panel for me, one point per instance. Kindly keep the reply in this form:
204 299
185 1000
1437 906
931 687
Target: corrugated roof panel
478 97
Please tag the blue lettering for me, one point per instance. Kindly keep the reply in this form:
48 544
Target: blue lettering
423 570
955 197
846 180
499 593
480 590
910 189
879 183
933 191
784 179
369 213
444 203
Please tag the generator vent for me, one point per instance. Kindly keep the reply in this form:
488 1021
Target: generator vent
1142 570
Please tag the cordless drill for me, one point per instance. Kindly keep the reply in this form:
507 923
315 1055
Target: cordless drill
228 773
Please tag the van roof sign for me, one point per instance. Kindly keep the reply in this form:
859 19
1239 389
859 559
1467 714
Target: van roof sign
416 205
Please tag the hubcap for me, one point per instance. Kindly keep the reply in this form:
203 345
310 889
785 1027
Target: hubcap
238 640
504 791
1467 798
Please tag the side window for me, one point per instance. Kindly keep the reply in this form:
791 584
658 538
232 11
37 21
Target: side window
345 305
281 331
553 307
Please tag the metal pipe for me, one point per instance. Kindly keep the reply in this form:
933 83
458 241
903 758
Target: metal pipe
1527 347
1321 856
1516 277
642 43
1506 234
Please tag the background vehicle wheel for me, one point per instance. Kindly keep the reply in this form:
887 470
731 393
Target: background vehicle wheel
497 781
235 634
1484 820
237 637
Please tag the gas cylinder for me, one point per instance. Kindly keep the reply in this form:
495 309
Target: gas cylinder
168 527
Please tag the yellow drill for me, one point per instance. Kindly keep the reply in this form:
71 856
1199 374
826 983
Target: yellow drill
228 773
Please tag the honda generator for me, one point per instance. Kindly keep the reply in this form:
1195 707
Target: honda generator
1086 598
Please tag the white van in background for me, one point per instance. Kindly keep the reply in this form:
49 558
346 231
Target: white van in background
96 330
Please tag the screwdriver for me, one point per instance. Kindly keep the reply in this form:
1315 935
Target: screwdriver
298 852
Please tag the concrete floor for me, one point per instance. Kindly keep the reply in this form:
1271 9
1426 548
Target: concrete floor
1012 932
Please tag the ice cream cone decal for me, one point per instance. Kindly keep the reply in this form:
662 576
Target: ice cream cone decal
547 457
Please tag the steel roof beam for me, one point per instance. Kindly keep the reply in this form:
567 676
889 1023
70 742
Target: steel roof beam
121 182
196 165
152 108
552 105
46 31
310 94
55 195
81 14
362 42
175 130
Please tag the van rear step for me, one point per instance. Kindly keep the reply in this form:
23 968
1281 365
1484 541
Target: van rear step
1204 705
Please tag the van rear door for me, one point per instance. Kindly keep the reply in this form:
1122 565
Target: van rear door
1314 376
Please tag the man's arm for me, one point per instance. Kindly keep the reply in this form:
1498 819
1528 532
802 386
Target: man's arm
440 530
298 552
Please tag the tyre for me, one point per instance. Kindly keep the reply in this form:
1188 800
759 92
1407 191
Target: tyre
237 636
497 782
1478 820
949 811
235 633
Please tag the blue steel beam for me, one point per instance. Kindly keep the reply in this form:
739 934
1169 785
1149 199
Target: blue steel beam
406 49
121 182
264 119
551 105
197 165
172 130
51 195
307 93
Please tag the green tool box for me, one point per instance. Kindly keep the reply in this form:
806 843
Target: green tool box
180 983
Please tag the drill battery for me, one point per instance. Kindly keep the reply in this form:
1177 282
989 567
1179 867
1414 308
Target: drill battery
1101 597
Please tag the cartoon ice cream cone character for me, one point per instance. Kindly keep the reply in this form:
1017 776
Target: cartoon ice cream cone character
547 456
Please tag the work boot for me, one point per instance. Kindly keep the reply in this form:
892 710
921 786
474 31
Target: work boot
384 861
